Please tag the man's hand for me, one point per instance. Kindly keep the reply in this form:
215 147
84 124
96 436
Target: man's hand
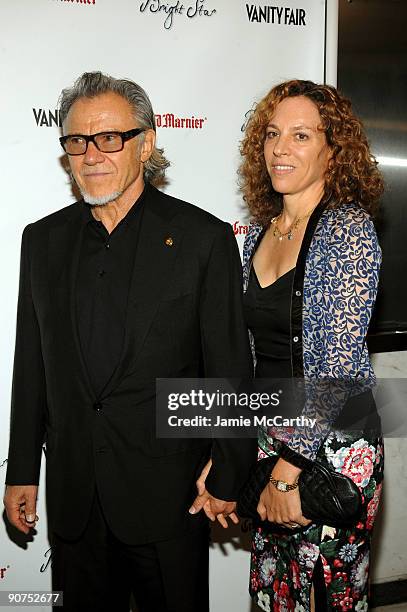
20 502
282 508
213 507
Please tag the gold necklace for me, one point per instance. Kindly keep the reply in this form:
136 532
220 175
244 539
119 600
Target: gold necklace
289 233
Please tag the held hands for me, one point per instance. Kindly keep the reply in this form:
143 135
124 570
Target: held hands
282 508
20 502
214 508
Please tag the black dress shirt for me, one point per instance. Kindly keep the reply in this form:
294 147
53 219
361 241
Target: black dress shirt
105 268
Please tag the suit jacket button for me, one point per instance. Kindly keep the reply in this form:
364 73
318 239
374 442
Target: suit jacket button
97 406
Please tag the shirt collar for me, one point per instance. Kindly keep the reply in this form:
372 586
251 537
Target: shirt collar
130 217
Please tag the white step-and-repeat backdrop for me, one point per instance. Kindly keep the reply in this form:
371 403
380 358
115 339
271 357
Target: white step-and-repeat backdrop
207 60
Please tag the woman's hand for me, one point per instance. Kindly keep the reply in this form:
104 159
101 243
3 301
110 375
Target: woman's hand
282 508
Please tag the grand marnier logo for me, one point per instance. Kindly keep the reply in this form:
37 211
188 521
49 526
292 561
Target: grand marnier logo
78 1
239 229
169 10
169 120
3 571
280 15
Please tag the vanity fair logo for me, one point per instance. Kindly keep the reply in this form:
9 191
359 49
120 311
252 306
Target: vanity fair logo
169 10
169 120
46 117
279 15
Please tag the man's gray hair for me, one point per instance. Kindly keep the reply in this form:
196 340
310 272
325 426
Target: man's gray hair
92 84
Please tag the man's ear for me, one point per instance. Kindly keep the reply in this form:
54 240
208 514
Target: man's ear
148 145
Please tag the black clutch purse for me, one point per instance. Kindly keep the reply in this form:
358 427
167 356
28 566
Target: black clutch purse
327 497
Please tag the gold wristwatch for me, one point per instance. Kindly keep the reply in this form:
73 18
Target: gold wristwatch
282 485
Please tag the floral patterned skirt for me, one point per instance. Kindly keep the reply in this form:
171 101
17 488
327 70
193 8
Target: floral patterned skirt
283 561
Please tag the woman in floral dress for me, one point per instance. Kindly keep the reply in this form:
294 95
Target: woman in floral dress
311 266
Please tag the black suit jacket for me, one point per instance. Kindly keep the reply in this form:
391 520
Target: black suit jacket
186 322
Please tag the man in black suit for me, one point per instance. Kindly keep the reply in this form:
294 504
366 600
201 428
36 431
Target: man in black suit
116 290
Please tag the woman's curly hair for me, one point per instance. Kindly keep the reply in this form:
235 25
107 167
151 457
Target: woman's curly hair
352 173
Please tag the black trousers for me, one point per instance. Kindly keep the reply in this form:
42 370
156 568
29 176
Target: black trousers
99 573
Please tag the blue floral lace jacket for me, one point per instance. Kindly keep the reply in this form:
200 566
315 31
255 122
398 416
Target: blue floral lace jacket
333 294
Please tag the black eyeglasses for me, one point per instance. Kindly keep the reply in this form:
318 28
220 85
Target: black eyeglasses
107 142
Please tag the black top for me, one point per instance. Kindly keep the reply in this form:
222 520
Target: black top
267 312
104 274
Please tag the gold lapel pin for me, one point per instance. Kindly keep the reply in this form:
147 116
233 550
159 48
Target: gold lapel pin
169 241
